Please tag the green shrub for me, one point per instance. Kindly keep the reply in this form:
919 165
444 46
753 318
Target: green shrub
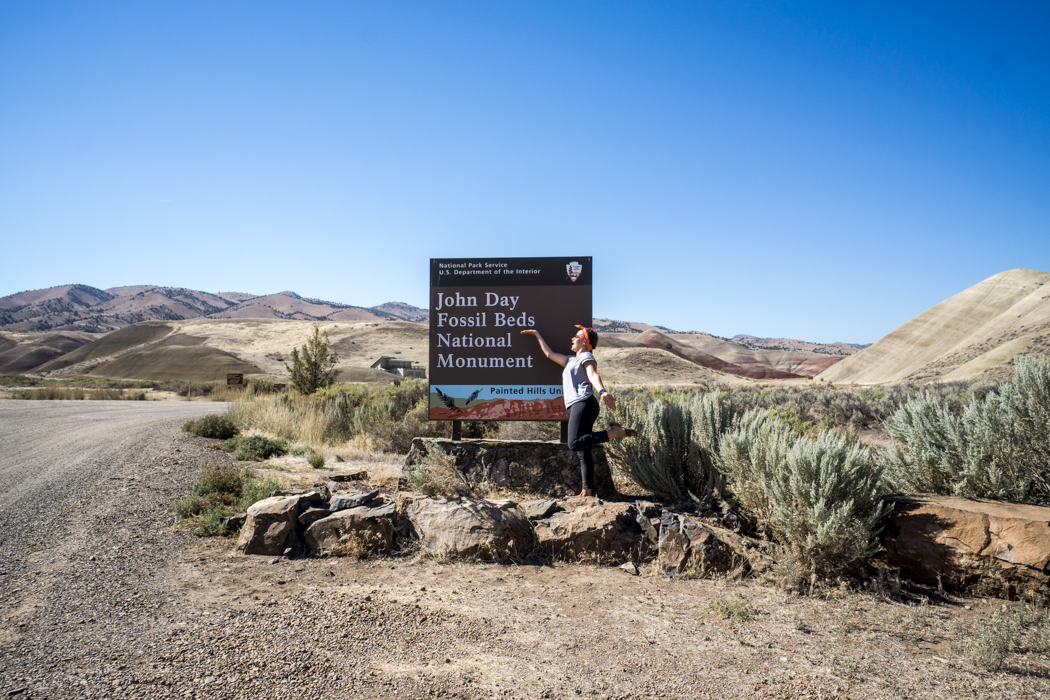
316 461
211 523
254 448
313 367
191 506
818 499
255 491
219 477
221 490
213 425
18 380
998 447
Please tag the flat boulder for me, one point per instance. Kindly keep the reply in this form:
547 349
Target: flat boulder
472 527
357 532
537 510
351 501
268 525
984 547
592 529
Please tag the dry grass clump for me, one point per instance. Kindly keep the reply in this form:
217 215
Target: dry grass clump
1013 630
739 609
387 415
361 543
437 475
76 393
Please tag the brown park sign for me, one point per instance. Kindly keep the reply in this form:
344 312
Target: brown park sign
481 367
234 379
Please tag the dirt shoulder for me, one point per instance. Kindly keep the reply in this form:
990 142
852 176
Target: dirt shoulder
103 598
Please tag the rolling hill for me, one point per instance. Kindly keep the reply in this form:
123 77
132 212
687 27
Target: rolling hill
136 331
78 307
975 334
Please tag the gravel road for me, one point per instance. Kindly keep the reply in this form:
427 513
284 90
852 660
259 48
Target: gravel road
100 597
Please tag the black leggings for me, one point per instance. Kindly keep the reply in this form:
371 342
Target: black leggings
582 415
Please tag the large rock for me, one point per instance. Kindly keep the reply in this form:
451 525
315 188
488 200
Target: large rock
548 469
472 527
980 546
355 531
687 546
268 525
591 529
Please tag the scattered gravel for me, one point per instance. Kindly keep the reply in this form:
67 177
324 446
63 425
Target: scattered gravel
102 597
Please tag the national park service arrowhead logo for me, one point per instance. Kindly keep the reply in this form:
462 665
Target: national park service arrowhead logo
574 270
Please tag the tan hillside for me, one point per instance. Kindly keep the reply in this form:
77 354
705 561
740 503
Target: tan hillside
974 334
201 349
755 343
206 349
640 365
726 356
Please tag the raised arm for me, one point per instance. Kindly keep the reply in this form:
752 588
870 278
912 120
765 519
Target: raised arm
551 355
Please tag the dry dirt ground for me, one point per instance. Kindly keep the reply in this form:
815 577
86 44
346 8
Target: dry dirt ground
103 597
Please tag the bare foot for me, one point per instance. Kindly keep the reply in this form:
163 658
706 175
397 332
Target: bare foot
586 493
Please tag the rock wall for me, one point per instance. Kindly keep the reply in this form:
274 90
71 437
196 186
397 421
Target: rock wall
548 469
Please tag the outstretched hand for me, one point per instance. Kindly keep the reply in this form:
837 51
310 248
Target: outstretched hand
529 332
609 401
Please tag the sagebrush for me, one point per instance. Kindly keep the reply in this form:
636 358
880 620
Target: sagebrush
673 453
819 499
998 447
213 425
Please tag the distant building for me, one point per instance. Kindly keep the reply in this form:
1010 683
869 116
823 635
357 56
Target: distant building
400 366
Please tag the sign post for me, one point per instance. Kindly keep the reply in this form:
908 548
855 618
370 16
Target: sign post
234 379
481 367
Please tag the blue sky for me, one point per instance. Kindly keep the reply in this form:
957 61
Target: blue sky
823 171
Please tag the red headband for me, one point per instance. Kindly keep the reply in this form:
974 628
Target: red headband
586 336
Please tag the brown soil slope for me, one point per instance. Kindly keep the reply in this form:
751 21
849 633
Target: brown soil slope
110 345
23 352
974 334
197 363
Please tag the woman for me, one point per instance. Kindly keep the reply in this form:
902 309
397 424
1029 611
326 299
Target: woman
579 382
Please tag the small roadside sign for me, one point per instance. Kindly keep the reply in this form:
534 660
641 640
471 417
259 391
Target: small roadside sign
234 380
